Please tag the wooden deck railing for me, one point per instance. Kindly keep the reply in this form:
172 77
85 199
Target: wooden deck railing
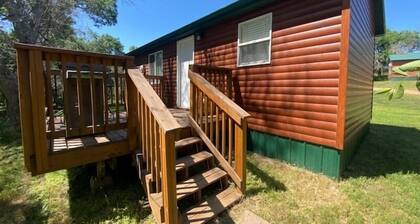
221 124
157 82
157 130
219 77
64 93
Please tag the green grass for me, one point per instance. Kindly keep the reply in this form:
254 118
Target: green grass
381 184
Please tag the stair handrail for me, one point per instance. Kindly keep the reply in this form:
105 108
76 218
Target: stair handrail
156 128
204 95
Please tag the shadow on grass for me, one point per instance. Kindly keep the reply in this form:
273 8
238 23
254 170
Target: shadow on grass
386 150
22 211
122 201
270 181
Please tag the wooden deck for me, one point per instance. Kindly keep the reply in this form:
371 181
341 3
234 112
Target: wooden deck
63 144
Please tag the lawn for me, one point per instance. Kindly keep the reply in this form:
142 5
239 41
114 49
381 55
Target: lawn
381 185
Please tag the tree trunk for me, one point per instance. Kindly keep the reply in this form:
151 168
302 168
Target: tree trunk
9 88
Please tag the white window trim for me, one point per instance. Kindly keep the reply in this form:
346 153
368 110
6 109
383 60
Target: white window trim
148 62
270 15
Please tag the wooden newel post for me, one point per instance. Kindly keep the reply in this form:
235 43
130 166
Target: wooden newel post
37 88
167 157
240 152
132 113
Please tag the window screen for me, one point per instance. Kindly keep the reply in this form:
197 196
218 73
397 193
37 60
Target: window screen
254 41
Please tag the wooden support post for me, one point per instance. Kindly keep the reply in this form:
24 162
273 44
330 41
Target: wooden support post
25 106
38 109
132 114
240 152
170 208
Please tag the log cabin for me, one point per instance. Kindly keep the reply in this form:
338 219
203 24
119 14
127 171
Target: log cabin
302 69
287 79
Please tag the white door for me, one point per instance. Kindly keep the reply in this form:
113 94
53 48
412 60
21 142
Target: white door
185 57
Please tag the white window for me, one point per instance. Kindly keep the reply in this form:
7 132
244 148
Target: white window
156 63
254 41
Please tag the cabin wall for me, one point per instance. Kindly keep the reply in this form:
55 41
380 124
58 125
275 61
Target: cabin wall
359 91
296 95
169 70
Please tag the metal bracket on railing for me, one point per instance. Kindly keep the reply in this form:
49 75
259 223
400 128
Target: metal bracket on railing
139 158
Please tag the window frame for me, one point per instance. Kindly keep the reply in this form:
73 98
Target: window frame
269 39
154 63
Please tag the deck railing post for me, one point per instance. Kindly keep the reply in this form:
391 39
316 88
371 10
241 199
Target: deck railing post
38 108
25 106
132 114
167 157
240 152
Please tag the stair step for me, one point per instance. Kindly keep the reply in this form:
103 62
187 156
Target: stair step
192 185
186 142
190 160
212 206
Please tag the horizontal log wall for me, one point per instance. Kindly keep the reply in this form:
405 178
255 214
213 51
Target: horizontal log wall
358 109
297 95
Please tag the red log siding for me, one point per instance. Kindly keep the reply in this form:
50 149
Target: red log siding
169 71
360 70
296 96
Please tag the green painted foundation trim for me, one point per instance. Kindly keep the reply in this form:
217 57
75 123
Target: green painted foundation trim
319 159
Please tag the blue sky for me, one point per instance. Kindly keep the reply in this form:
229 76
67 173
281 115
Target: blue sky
141 21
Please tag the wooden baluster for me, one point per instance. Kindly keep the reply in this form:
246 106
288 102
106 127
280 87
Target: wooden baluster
230 141
65 93
152 145
206 114
147 130
200 109
105 94
223 134
92 93
211 122
80 97
217 128
229 85
196 102
158 163
143 128
192 100
139 121
48 92
117 94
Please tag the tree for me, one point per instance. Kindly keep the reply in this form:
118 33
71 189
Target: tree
45 22
393 42
93 42
132 48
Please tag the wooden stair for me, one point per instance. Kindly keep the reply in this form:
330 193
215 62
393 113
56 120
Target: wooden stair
212 206
207 177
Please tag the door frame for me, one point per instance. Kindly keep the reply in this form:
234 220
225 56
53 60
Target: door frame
178 77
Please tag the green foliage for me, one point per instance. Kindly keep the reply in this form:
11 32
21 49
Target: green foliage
397 92
132 48
394 42
93 42
102 12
